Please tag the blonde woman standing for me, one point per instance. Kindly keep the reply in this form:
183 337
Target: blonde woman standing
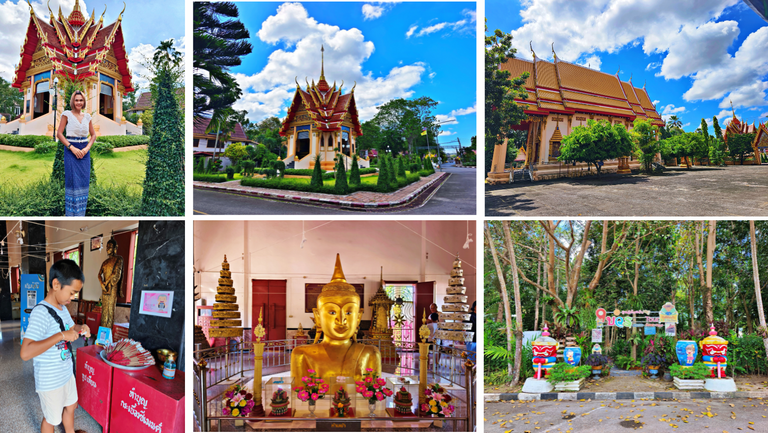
77 157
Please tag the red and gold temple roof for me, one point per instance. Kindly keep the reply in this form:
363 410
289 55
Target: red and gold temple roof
563 87
326 105
75 46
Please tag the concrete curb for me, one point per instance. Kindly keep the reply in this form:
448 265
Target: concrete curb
285 195
522 396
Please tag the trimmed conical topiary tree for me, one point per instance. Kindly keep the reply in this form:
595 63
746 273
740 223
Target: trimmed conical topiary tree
383 182
317 174
164 180
341 186
354 173
392 169
401 167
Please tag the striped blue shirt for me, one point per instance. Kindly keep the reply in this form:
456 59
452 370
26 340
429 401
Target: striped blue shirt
53 367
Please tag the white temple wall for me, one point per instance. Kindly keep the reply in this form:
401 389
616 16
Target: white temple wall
365 246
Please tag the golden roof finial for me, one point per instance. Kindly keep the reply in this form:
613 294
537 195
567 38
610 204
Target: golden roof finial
296 79
553 51
630 78
353 87
338 273
31 9
120 16
102 14
322 62
734 111
530 44
619 70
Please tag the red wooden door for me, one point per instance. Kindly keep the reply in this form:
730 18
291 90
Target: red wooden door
425 295
269 297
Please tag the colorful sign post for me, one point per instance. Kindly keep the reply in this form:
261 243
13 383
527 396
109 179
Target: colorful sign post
32 292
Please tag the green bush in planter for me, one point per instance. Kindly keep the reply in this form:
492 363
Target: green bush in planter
563 372
699 371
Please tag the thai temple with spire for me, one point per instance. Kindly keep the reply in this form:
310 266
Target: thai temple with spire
759 145
78 48
562 96
321 121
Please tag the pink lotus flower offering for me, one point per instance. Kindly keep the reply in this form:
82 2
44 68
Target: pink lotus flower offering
372 387
313 387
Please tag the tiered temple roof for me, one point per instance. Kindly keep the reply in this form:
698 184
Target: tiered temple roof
75 46
326 105
563 87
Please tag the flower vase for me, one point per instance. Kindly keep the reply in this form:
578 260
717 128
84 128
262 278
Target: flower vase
372 409
312 404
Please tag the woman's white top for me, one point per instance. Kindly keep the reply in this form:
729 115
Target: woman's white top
76 128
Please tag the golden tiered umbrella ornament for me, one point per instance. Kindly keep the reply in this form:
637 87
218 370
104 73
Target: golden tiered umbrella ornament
226 321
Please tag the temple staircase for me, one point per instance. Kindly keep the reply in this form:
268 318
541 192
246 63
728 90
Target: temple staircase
523 175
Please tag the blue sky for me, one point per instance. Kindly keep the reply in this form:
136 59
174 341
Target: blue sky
145 24
368 43
694 55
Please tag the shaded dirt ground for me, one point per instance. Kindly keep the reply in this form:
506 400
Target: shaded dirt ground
641 384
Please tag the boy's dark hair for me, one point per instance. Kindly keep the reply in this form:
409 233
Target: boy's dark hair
65 271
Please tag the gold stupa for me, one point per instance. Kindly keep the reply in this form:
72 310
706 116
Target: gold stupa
226 317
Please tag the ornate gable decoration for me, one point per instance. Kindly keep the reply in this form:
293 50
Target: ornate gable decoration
326 105
75 45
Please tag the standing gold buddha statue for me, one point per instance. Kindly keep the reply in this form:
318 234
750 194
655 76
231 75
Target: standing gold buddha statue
338 315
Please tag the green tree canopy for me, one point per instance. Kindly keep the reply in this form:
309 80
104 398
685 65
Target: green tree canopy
739 145
595 143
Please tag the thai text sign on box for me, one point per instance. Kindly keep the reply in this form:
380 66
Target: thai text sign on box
642 318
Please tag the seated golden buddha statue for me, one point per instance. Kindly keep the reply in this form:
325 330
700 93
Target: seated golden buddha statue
338 315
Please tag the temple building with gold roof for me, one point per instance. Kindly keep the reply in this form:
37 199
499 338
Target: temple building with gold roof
759 145
321 121
562 96
81 49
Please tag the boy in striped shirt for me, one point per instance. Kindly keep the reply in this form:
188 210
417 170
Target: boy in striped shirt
50 347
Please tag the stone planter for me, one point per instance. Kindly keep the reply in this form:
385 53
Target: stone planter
654 370
597 370
686 384
536 386
720 385
573 385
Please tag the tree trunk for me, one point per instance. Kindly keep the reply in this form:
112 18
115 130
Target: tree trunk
518 306
538 292
634 291
748 313
691 295
504 296
711 241
500 313
699 239
756 277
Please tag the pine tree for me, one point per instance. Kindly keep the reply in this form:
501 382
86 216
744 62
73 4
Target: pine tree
207 168
341 186
392 170
354 174
164 180
317 175
401 167
716 125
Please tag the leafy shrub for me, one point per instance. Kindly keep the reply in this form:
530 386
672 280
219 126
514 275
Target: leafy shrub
113 200
746 355
425 173
562 372
354 173
102 148
626 362
595 359
203 177
620 348
368 170
497 358
248 167
23 140
415 168
654 359
699 371
340 186
46 198
317 174
124 140
279 165
230 172
46 147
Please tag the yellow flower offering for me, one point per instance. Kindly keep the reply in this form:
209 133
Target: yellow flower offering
433 409
235 412
232 404
432 403
242 403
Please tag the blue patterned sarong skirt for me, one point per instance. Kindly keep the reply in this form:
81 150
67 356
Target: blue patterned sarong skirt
77 177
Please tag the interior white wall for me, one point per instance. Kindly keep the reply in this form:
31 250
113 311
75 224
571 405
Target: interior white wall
365 246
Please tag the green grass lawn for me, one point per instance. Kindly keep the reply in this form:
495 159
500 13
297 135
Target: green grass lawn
118 168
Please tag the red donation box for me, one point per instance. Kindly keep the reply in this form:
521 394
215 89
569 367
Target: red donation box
93 320
94 384
143 401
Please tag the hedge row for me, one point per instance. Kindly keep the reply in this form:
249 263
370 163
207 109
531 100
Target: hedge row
214 178
303 185
31 141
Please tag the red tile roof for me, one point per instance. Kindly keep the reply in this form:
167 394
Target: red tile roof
201 124
145 101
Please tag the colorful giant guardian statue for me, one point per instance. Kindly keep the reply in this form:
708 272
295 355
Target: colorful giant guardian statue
544 353
714 350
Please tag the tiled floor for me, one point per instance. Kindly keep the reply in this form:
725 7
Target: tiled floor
19 404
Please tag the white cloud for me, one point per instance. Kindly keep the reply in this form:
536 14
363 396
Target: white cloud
432 74
450 118
445 133
446 119
268 92
466 24
142 54
656 101
686 124
410 31
371 12
738 74
653 65
670 110
464 111
724 117
686 33
592 62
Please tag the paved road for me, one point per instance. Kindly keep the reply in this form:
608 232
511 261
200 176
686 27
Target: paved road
456 196
599 416
701 191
